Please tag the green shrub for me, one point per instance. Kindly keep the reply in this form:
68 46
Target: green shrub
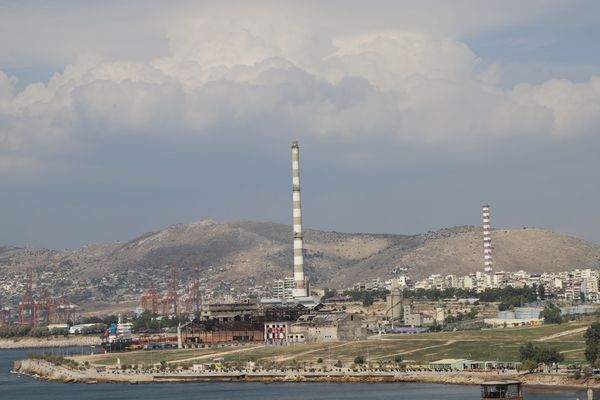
528 365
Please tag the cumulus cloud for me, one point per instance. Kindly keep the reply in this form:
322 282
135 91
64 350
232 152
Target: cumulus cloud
407 86
213 93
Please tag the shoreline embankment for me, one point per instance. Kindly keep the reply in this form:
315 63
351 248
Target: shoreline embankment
60 373
50 341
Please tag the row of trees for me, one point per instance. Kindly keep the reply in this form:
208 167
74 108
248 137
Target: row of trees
366 297
540 354
508 296
472 314
7 331
151 323
359 360
146 322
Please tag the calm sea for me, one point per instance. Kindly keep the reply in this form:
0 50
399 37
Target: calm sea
17 387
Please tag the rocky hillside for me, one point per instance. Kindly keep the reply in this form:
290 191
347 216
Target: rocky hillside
245 254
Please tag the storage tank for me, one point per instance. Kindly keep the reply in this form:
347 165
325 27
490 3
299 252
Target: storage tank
506 315
527 312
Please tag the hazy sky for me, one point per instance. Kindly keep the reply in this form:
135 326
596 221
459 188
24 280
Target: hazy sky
121 117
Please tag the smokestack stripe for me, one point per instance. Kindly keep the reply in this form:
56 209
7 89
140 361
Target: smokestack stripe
297 220
487 239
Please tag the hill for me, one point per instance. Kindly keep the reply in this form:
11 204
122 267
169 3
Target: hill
244 254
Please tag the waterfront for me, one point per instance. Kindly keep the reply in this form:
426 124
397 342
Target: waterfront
17 387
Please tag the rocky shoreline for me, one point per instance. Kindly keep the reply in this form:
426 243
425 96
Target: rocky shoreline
52 341
45 370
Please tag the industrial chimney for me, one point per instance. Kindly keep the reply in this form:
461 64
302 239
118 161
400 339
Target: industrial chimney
300 283
487 240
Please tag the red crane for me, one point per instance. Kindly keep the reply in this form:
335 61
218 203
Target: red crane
171 301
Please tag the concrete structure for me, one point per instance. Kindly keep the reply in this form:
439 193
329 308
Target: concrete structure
225 312
487 240
300 289
413 320
327 327
394 306
440 315
283 289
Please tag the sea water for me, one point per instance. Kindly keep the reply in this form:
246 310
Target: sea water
20 387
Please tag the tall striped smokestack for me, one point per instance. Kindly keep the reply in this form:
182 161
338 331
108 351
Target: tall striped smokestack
300 283
487 240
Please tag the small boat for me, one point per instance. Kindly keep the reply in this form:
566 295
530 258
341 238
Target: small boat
504 389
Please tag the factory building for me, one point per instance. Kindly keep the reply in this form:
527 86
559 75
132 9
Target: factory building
241 322
225 312
327 327
199 333
450 364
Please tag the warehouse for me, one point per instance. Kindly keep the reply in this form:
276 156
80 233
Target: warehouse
450 364
200 333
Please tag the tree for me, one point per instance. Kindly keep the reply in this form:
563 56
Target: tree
527 352
541 292
540 354
551 314
398 359
327 293
359 360
529 365
368 300
592 343
39 331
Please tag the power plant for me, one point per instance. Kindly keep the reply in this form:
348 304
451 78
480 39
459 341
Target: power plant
300 289
487 240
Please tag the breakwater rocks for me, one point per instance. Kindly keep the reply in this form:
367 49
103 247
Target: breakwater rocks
60 373
49 371
45 370
52 341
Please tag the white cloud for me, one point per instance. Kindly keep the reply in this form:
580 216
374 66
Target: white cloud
407 86
575 107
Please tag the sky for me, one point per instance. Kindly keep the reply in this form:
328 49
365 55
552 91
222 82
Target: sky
122 117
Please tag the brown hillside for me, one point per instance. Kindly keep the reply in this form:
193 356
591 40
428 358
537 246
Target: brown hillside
246 253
